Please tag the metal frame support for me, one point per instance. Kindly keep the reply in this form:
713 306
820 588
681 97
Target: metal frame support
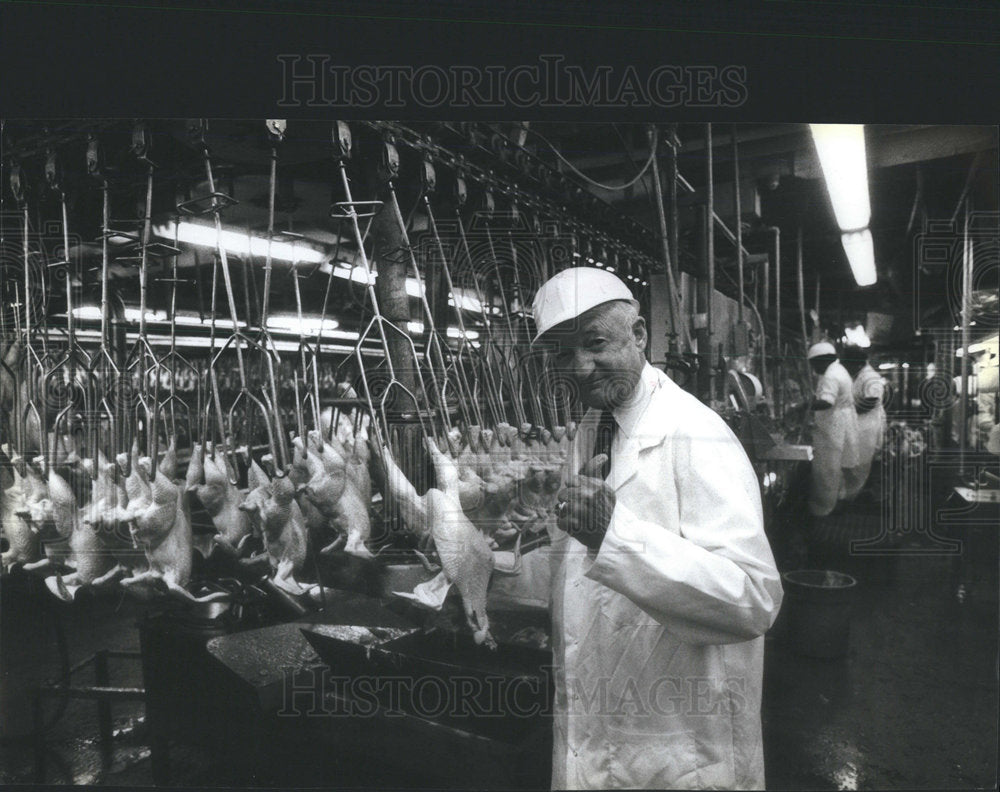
102 693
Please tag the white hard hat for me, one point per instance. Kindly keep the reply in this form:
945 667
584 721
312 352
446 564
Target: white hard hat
573 291
822 348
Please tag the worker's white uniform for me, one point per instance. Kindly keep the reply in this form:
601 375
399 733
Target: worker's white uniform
658 637
835 439
868 384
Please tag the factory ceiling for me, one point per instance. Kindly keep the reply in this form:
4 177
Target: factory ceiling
918 178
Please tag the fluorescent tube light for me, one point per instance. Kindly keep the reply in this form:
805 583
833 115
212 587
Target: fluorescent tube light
860 255
239 242
453 332
310 325
841 150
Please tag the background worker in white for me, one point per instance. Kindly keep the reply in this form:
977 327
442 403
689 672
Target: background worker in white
662 580
868 389
835 436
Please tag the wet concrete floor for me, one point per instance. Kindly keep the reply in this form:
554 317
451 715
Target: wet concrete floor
913 704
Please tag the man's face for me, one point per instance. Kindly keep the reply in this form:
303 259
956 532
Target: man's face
820 364
853 366
601 351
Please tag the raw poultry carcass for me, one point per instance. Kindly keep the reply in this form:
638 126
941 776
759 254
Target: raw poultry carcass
349 424
467 561
100 545
355 518
340 488
317 525
51 507
508 486
21 539
220 498
168 460
274 510
162 529
322 490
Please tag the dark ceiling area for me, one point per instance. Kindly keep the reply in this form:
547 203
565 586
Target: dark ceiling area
918 176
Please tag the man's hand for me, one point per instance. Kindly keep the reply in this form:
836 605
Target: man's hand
586 504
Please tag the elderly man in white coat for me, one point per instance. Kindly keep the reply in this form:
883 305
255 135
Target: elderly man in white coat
662 581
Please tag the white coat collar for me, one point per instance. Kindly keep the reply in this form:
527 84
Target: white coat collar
628 415
640 422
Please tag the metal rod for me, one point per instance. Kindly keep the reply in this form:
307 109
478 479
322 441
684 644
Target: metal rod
709 258
801 286
105 222
963 429
738 214
664 242
779 360
817 298
70 325
433 342
674 213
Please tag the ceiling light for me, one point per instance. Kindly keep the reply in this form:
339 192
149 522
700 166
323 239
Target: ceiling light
239 242
860 255
453 332
841 150
87 312
308 325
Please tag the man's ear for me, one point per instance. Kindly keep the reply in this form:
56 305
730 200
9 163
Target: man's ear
639 332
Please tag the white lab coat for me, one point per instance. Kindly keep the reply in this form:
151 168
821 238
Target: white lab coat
658 637
868 384
835 439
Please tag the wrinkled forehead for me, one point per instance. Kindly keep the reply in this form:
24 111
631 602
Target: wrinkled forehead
603 318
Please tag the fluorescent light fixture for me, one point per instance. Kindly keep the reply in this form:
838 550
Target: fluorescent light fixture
857 336
413 287
206 343
135 315
239 242
841 150
906 365
860 255
356 274
93 312
466 301
886 366
453 332
87 312
309 325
